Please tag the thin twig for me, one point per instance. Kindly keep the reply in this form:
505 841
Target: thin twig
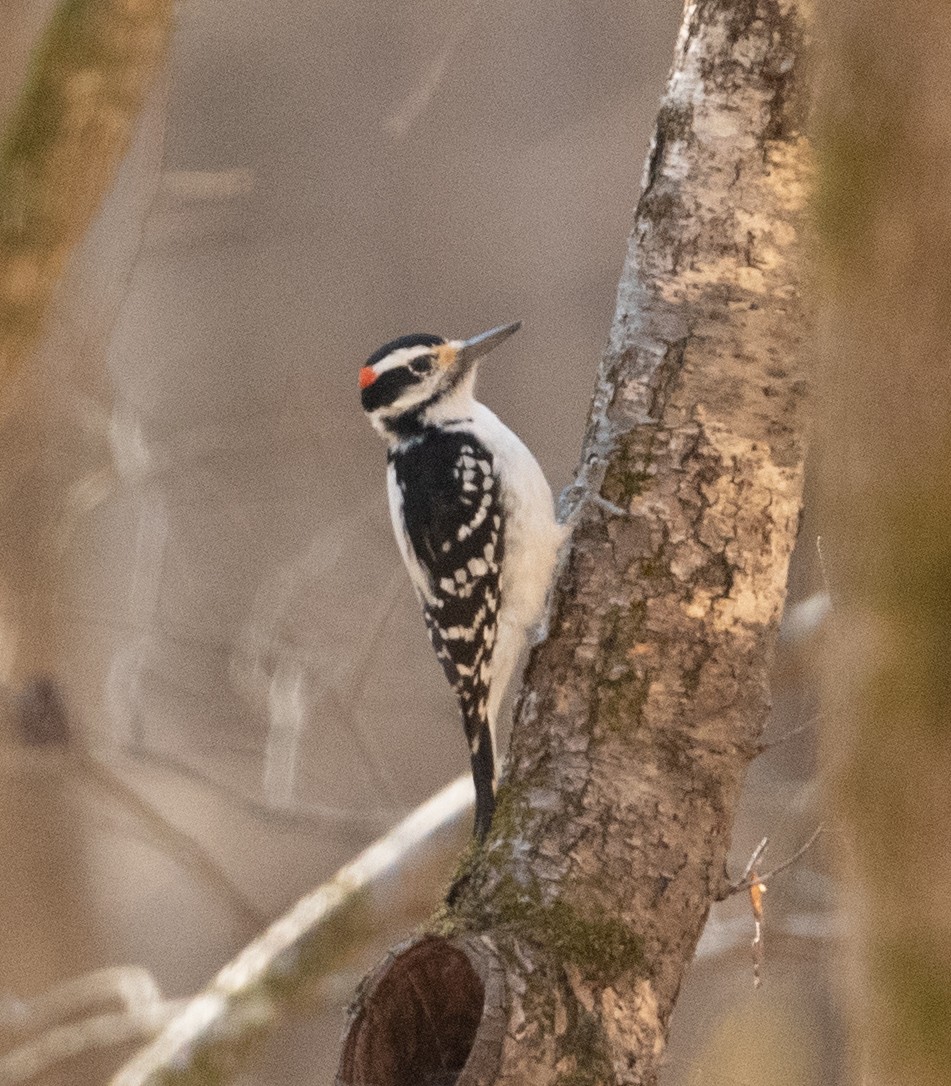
747 880
757 889
755 884
824 570
402 119
807 726
757 852
67 1042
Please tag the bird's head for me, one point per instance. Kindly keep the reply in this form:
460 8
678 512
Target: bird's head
413 375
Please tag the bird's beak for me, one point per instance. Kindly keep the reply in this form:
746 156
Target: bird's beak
470 351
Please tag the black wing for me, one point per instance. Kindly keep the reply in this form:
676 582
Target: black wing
453 519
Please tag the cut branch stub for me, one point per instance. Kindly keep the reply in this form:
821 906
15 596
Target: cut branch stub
418 1015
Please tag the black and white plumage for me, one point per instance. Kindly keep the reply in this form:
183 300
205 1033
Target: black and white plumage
474 520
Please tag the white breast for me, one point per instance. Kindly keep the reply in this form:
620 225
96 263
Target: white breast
533 537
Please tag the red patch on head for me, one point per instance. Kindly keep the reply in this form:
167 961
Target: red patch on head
367 376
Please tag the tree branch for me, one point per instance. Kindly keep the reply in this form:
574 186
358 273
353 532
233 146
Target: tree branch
318 936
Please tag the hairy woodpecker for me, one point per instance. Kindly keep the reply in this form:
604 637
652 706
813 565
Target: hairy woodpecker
474 520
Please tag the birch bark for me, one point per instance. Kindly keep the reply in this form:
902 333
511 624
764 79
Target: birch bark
562 949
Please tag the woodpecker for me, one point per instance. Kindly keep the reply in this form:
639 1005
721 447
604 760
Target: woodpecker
475 523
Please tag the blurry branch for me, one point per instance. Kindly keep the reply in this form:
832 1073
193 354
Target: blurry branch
206 184
276 658
792 733
42 721
144 1011
89 77
130 985
405 115
178 845
62 1043
293 961
299 957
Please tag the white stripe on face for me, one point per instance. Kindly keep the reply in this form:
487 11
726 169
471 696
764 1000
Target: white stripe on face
401 357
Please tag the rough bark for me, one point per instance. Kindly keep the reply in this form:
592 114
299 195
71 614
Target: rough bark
645 705
885 500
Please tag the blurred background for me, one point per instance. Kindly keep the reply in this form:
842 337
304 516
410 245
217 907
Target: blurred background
217 687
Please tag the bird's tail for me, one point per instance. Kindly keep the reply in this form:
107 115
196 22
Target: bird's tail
483 774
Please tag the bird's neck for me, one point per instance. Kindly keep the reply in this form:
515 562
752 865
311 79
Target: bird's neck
455 406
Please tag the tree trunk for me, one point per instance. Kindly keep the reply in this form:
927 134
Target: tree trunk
884 468
560 953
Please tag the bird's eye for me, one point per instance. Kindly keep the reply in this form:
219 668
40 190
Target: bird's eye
422 365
